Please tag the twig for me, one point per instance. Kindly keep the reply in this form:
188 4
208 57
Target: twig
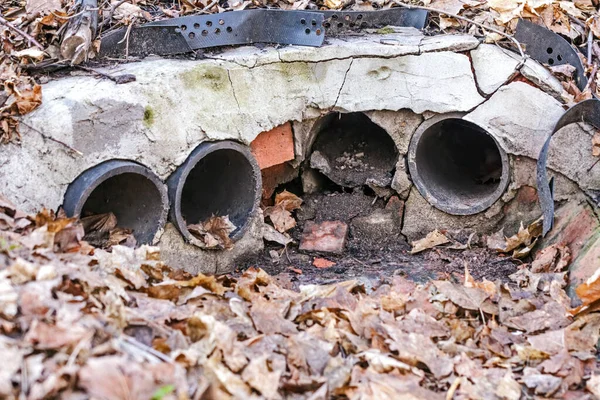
211 5
118 79
22 33
489 28
590 45
52 139
592 78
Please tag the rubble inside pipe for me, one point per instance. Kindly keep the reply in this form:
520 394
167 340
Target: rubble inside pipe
74 320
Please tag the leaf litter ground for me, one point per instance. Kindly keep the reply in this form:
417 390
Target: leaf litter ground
80 322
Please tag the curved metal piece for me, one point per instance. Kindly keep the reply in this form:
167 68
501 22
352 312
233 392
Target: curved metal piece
132 192
456 165
337 22
218 178
223 29
586 111
550 48
307 28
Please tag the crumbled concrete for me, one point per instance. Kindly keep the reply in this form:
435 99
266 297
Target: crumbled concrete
401 181
519 116
176 104
518 204
494 66
523 129
326 237
420 218
179 254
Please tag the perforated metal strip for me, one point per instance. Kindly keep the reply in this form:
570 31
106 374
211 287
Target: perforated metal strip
550 48
224 29
306 28
586 111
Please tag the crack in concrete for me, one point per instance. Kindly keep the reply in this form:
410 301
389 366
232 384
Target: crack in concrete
325 60
343 84
233 91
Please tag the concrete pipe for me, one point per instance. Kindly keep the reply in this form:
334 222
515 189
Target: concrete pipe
132 192
220 179
456 165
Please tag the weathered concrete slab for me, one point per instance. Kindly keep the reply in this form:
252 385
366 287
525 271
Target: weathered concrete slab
494 66
520 117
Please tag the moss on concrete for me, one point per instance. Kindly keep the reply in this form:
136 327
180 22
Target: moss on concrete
385 30
149 116
208 76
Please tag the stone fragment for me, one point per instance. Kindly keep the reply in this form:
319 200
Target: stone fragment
275 176
401 182
493 67
274 147
415 82
327 236
312 181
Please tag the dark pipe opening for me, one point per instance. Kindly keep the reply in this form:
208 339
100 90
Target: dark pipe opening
351 149
457 166
220 178
130 191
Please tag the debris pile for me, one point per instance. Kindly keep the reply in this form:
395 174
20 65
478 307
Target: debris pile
75 320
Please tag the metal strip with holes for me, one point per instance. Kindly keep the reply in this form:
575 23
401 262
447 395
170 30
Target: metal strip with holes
306 28
549 48
586 111
223 29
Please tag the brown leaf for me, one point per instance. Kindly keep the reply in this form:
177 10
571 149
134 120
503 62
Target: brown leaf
554 258
280 217
288 200
47 336
469 298
434 238
214 232
589 291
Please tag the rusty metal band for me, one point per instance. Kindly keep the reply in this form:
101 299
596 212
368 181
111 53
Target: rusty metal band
586 111
549 48
306 28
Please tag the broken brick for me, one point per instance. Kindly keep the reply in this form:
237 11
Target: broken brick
273 177
322 263
274 147
327 236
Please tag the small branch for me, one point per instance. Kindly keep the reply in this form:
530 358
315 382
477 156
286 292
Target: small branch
118 79
52 139
22 33
470 21
590 45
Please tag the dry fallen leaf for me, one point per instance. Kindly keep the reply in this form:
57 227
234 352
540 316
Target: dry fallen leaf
434 238
214 233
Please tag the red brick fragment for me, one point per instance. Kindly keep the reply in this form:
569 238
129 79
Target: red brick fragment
322 263
274 147
327 236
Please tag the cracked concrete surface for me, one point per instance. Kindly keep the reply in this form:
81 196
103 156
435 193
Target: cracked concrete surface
397 79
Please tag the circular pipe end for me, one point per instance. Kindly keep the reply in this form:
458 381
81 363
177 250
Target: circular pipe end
132 192
457 166
217 179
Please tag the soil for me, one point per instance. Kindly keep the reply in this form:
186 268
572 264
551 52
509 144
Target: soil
371 262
